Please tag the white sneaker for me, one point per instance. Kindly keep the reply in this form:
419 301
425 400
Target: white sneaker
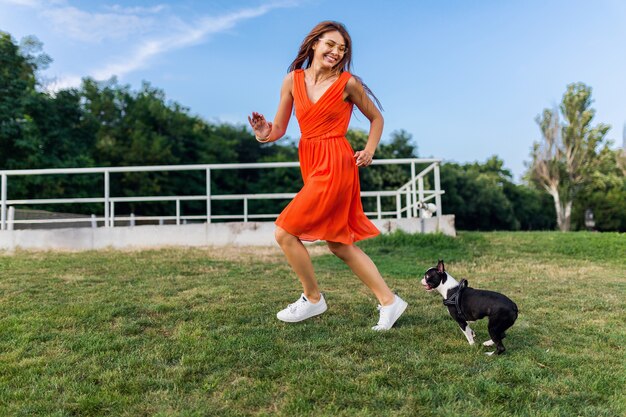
302 310
389 314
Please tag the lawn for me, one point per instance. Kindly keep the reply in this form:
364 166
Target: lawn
192 332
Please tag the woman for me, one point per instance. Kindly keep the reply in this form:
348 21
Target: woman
328 207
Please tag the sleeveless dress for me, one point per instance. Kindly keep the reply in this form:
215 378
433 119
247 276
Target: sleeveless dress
328 207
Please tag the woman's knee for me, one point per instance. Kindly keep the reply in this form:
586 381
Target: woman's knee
340 250
282 236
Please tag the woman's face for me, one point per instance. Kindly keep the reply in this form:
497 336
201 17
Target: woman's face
329 49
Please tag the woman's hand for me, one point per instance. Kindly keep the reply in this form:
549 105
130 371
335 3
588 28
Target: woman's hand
261 127
363 158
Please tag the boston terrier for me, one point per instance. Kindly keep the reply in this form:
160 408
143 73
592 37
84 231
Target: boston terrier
466 304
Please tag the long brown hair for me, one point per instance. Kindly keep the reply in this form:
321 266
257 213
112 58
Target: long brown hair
304 59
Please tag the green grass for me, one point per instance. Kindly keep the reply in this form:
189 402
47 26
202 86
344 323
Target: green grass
193 332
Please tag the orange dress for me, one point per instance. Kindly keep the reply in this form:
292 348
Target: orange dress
328 207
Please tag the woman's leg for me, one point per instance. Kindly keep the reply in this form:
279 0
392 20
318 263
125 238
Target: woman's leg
300 261
365 269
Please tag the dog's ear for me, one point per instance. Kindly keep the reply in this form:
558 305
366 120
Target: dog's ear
440 267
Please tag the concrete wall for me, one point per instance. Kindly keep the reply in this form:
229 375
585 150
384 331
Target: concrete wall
214 234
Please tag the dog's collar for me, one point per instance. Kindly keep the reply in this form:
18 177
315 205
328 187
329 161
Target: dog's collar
455 299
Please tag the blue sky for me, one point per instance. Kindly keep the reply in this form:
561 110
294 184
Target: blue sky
465 78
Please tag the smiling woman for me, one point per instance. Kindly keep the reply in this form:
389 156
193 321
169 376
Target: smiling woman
340 39
328 207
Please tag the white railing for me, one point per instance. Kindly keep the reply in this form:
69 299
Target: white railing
412 199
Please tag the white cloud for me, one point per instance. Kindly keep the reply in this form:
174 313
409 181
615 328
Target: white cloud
91 27
96 27
24 3
136 31
188 34
137 10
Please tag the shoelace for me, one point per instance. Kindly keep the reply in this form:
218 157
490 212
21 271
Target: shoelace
294 306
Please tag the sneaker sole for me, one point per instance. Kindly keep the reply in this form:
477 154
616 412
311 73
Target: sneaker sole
289 320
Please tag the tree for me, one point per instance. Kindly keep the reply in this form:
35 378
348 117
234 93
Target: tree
475 194
604 193
532 208
17 84
39 130
567 154
620 156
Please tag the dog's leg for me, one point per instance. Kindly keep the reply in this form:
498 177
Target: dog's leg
496 331
468 332
497 328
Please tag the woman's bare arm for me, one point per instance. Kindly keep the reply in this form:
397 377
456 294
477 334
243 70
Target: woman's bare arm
268 131
356 94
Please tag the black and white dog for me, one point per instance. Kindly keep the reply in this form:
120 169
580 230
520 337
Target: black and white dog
466 304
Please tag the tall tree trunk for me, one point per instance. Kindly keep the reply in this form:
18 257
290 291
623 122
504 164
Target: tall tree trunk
563 210
567 216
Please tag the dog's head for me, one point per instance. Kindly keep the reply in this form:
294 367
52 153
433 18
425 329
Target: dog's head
435 276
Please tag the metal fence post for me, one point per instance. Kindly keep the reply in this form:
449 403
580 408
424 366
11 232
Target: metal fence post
378 207
107 196
245 210
3 208
413 192
208 195
438 193
11 220
177 211
408 203
420 186
398 206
